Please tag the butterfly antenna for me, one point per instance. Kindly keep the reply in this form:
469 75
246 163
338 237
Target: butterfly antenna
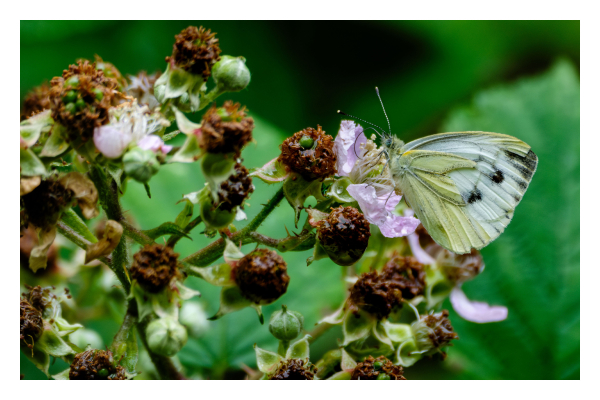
360 119
386 117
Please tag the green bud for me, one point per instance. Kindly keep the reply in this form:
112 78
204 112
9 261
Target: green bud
70 107
80 103
383 377
286 325
377 364
166 336
72 81
98 94
231 74
103 373
140 164
70 97
306 142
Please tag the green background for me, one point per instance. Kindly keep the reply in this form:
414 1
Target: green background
515 77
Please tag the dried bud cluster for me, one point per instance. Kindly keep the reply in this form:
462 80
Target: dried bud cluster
376 294
344 235
309 153
377 369
294 370
81 99
441 330
33 305
44 203
408 273
142 89
235 189
196 50
95 365
154 266
459 268
262 276
36 101
28 242
226 129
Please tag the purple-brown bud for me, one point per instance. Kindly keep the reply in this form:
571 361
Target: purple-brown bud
377 369
309 153
36 101
375 294
96 365
344 235
154 266
196 50
262 276
235 189
225 129
294 369
408 273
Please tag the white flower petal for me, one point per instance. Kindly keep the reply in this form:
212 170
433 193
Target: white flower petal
347 146
111 142
421 255
476 311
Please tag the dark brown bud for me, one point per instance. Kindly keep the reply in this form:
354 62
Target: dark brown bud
408 273
375 294
235 189
44 204
225 129
32 324
196 50
95 365
262 276
154 266
440 331
309 153
344 235
81 99
371 369
36 101
295 370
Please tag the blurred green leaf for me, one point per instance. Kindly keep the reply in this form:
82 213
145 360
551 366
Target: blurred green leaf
533 267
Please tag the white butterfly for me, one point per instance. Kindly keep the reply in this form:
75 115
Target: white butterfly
463 186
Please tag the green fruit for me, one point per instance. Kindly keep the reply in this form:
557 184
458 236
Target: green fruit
306 142
70 97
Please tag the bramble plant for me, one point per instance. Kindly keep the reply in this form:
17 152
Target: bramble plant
91 131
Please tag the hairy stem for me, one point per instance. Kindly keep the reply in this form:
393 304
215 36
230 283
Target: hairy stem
191 225
136 234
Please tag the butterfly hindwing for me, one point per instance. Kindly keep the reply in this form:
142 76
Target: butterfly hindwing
464 186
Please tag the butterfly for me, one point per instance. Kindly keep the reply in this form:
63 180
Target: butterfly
463 186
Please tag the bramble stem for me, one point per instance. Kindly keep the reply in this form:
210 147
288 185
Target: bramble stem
79 240
191 225
135 233
213 251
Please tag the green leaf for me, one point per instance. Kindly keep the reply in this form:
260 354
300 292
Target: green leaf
533 267
56 143
189 152
184 217
231 300
73 221
271 172
297 190
167 228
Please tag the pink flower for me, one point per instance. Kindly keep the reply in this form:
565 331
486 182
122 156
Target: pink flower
110 141
154 143
347 146
476 311
379 211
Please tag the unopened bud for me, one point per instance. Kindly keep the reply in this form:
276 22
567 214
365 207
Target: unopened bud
140 164
231 74
166 336
286 325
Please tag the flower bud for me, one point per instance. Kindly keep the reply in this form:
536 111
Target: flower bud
262 276
213 217
315 162
344 235
379 368
231 74
235 189
225 129
375 294
95 365
154 266
294 369
166 336
140 164
286 325
433 331
408 273
196 50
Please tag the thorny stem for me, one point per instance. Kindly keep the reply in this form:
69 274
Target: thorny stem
191 225
213 251
136 234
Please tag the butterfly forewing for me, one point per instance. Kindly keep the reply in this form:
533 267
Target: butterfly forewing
467 200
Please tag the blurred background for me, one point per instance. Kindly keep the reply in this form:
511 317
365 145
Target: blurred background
515 77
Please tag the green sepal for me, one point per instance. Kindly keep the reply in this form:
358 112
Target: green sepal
32 128
347 363
272 172
39 358
162 303
232 253
62 376
299 349
184 292
73 221
340 376
297 189
357 328
167 228
30 164
189 152
185 125
437 288
217 275
339 191
125 347
50 342
116 172
65 328
258 309
184 217
231 300
267 361
407 353
56 143
217 168
178 82
334 319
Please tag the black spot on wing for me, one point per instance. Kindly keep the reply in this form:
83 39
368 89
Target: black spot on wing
517 198
498 177
474 196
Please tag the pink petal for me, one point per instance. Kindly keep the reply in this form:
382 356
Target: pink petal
397 226
369 203
110 142
154 143
476 311
421 255
347 146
